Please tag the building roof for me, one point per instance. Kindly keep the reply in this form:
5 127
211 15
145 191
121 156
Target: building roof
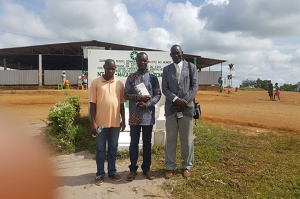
69 56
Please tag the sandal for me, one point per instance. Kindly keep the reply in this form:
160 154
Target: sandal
131 175
149 175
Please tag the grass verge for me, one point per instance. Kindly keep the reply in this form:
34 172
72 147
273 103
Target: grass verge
233 165
227 164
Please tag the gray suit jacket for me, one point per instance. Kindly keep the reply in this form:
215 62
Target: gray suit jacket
171 88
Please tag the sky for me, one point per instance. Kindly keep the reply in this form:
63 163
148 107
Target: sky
260 37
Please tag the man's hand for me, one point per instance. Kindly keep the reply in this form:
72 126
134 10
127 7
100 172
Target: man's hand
145 98
94 129
122 126
181 102
141 105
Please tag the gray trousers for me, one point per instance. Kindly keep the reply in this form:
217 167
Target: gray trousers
185 128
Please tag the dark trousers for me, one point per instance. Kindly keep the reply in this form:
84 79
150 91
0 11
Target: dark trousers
135 132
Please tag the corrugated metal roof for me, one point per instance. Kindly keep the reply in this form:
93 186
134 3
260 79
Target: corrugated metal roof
69 56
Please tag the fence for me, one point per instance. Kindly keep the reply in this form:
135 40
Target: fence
208 77
53 77
19 77
31 77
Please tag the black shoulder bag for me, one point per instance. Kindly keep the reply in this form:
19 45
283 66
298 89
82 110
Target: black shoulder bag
197 111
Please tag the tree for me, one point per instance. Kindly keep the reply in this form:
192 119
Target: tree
288 87
264 84
248 83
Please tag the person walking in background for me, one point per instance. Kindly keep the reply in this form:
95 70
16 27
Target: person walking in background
220 81
143 92
277 92
107 110
270 91
179 85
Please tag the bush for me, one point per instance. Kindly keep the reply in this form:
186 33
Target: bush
62 124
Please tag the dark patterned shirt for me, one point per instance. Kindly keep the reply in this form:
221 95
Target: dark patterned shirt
146 116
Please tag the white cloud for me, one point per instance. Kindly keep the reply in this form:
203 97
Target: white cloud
261 38
279 60
16 20
156 38
183 24
217 2
255 17
138 4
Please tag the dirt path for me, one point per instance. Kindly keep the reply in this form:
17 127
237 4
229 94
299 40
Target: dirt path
243 111
251 109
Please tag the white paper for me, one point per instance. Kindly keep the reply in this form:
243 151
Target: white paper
141 89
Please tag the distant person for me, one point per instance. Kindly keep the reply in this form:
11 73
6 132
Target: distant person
64 79
277 92
107 110
270 91
179 85
141 114
79 82
85 81
220 81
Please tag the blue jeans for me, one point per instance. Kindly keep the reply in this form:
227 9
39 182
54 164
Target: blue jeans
112 137
135 132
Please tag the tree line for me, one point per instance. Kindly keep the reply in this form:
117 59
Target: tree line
264 84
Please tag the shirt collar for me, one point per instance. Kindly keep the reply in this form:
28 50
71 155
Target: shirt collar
145 71
104 80
179 64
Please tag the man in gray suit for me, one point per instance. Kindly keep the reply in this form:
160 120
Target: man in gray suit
179 85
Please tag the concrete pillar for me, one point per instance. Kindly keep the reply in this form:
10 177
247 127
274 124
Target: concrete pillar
40 71
4 64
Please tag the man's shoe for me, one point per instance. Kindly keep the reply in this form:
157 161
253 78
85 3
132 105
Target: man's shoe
131 175
99 180
169 174
116 177
187 173
149 175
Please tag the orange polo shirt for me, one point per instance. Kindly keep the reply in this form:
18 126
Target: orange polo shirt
107 95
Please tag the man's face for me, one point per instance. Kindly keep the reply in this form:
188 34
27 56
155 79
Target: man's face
109 69
176 54
142 61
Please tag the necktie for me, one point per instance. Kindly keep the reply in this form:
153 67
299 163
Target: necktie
177 70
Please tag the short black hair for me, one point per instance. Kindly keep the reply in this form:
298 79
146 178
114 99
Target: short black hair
108 61
140 54
175 46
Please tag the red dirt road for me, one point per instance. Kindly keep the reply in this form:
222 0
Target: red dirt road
247 109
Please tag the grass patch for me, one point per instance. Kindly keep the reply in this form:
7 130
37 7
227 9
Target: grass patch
233 165
227 164
251 89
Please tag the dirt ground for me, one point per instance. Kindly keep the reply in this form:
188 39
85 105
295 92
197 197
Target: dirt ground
247 112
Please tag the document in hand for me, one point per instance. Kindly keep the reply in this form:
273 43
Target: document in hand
141 89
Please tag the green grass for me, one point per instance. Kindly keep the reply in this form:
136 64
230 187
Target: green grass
233 165
227 164
251 89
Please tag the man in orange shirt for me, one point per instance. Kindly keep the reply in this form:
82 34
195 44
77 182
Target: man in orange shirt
107 110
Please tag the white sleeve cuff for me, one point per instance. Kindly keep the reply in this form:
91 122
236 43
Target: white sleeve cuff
175 98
